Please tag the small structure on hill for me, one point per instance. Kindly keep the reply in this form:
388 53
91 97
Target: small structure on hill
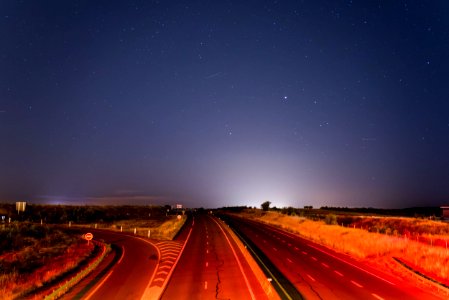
445 212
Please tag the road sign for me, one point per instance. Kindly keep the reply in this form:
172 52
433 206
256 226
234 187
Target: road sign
88 236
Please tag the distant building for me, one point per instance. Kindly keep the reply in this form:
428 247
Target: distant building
445 212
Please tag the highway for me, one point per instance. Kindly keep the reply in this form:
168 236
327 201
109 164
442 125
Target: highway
320 273
211 266
130 276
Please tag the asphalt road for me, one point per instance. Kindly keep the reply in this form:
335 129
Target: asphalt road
131 275
211 266
320 273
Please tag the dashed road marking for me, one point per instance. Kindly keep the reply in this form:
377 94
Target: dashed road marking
314 258
205 285
296 248
304 252
275 249
338 273
377 296
311 278
207 264
289 244
289 260
207 250
325 265
356 284
265 241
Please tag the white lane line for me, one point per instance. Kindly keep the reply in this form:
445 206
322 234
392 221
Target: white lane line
311 278
289 260
205 285
314 258
98 286
336 257
338 273
207 264
356 284
325 265
346 262
275 249
377 297
289 244
123 254
304 252
237 259
265 241
207 251
296 248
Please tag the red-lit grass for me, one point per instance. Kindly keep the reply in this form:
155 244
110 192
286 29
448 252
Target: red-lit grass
36 255
373 246
161 229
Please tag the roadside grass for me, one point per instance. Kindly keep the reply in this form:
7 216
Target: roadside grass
371 246
33 255
163 228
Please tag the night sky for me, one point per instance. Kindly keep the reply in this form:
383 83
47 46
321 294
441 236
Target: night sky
219 103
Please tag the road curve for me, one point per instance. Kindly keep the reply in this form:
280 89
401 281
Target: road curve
212 266
320 273
131 275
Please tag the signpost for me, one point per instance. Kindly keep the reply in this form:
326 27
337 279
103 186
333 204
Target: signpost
88 236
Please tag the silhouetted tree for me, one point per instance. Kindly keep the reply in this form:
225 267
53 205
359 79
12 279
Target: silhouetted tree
266 205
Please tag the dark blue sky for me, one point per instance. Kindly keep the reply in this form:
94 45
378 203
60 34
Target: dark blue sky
214 103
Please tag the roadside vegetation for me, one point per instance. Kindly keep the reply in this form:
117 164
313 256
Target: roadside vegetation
35 249
32 255
375 239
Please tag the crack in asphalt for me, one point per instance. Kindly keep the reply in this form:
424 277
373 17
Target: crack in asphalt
310 286
218 268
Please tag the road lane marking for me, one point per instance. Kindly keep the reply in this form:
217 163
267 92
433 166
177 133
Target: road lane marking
275 249
377 296
289 244
296 248
338 273
207 264
162 273
265 241
311 278
351 264
146 294
238 261
356 284
207 251
123 254
205 285
304 252
99 285
336 257
325 265
272 276
314 258
288 259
